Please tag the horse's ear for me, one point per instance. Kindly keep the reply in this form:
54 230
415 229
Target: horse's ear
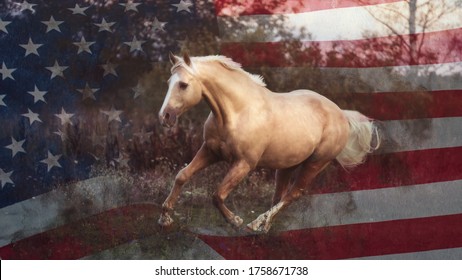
173 58
187 59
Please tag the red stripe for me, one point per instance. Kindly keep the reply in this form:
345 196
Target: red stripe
346 241
88 236
267 7
393 170
408 105
439 47
403 105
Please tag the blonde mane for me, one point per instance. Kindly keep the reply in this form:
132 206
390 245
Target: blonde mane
226 62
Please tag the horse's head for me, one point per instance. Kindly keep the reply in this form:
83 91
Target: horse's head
184 91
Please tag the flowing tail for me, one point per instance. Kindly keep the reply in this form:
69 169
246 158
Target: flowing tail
359 142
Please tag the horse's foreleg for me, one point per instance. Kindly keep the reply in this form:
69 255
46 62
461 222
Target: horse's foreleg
304 176
202 159
236 173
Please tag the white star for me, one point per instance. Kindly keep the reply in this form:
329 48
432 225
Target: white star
3 25
27 6
77 10
143 135
64 117
113 115
105 26
7 72
98 140
5 177
31 48
183 43
88 92
2 102
138 90
61 134
122 160
33 117
51 161
130 6
183 6
38 95
109 68
158 25
52 24
16 146
84 46
57 70
135 45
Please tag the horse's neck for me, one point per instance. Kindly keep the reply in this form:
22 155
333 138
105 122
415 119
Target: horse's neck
227 98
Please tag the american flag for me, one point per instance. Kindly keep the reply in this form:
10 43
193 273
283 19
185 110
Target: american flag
75 95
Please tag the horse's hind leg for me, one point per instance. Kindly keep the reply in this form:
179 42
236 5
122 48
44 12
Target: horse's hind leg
304 176
202 159
236 173
282 183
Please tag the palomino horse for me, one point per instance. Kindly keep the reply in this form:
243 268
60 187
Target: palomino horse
297 133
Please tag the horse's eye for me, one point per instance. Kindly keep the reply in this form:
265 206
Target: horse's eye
183 85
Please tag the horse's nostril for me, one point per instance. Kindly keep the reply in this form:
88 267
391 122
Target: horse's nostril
167 116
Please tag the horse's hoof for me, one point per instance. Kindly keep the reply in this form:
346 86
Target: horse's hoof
260 224
237 221
165 220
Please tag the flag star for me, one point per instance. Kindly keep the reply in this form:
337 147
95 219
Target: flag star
2 102
31 47
24 6
38 95
183 43
158 25
138 90
52 161
7 72
61 134
64 117
113 115
77 10
3 25
135 44
143 135
109 68
33 117
52 24
130 6
88 92
84 46
16 146
105 26
98 140
57 70
183 6
5 177
123 160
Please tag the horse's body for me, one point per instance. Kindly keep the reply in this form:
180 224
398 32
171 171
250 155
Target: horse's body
298 133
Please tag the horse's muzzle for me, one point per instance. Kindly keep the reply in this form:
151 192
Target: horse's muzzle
168 118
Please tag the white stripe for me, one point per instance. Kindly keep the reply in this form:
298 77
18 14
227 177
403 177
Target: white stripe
180 246
366 206
420 134
379 205
60 206
334 24
445 254
445 76
96 195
